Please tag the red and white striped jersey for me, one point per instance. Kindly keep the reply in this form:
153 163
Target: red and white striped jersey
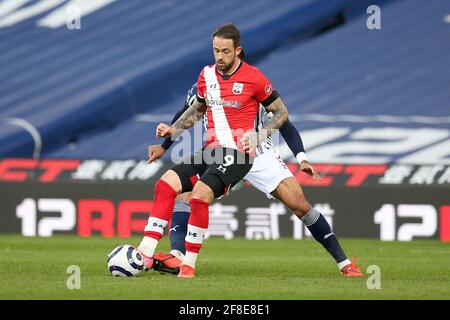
233 103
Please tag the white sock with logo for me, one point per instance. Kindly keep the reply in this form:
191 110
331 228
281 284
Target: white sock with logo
148 244
194 236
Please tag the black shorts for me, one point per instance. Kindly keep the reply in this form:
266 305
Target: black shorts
220 168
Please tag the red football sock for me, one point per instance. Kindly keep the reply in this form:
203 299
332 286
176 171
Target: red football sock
198 224
162 207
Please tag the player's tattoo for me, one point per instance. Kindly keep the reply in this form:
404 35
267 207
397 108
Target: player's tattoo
190 116
279 117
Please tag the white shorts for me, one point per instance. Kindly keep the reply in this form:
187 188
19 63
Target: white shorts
268 171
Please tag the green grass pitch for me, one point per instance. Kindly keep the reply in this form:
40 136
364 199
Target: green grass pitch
36 268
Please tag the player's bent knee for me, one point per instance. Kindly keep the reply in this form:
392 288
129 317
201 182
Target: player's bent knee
172 178
185 196
215 184
202 192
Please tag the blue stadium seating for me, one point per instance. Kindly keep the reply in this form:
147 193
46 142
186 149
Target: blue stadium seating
86 92
128 57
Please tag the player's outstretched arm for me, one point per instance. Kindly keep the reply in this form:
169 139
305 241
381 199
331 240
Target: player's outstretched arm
295 143
293 140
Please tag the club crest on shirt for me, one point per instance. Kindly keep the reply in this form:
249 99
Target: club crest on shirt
268 89
237 88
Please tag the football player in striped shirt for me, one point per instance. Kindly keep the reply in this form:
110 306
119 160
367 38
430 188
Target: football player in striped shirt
267 174
229 93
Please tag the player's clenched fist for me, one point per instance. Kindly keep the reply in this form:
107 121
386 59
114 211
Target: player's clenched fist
164 130
251 140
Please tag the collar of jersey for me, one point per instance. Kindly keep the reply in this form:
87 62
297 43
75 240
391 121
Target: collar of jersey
228 76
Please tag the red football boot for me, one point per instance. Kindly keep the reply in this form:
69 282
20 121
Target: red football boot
186 271
166 262
352 270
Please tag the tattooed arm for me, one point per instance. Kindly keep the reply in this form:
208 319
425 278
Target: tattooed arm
191 115
279 116
252 140
187 120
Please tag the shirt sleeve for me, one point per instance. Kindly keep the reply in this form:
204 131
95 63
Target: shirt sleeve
263 87
201 86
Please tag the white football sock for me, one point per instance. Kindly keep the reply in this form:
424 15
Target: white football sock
343 264
190 258
178 254
148 246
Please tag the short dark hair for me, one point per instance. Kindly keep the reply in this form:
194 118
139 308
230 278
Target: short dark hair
229 31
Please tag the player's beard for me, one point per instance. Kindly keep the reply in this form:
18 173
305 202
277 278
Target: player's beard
224 68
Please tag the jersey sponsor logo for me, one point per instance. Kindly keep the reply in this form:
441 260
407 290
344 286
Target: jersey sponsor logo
211 102
237 88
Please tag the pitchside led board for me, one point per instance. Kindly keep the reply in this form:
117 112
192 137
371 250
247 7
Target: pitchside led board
113 198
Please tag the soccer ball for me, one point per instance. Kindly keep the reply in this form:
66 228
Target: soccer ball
125 261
